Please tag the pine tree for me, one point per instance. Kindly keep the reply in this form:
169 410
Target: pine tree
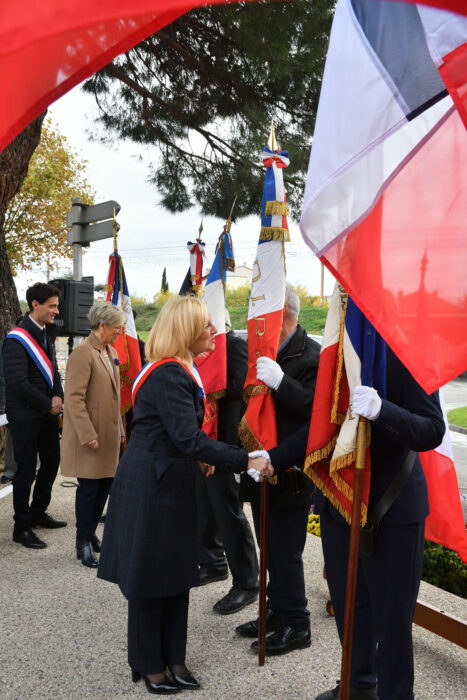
164 284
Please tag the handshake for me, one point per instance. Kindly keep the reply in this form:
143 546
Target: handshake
259 465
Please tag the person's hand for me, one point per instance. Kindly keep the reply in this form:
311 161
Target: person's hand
57 406
259 465
93 444
365 401
210 469
269 372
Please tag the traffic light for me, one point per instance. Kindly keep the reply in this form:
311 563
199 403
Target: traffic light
76 298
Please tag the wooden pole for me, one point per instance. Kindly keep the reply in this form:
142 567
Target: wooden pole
352 564
263 562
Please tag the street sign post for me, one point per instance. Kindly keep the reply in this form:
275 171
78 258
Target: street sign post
87 223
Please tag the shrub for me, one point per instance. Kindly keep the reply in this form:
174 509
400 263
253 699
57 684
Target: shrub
444 568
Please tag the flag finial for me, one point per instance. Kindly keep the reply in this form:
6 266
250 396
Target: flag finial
272 143
200 231
228 223
115 232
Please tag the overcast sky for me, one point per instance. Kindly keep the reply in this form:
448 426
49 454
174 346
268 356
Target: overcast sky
151 238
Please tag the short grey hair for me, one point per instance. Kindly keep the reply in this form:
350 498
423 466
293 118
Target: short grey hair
105 312
292 299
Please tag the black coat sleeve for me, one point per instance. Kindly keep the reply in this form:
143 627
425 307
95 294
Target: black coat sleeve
231 405
290 451
16 372
176 408
419 424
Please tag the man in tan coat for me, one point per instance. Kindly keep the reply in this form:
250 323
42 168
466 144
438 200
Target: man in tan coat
92 426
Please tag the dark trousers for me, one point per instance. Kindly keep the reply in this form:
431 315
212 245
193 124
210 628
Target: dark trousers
91 496
286 542
387 588
223 527
30 439
157 630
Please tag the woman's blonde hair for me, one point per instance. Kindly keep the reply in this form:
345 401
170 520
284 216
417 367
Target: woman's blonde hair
179 323
105 312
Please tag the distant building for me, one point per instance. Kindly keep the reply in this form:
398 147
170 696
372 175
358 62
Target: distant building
240 276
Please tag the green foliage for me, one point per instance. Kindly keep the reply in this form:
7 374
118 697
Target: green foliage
203 91
238 317
164 283
239 296
35 221
444 568
458 416
313 319
146 315
162 297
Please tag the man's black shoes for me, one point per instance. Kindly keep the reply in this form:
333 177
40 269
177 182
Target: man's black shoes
5 479
284 640
207 575
85 552
235 600
250 629
354 694
29 539
46 520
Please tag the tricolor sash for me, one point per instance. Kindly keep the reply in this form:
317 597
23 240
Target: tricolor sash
150 366
36 353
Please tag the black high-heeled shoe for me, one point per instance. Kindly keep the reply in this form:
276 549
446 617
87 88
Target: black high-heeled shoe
166 687
185 680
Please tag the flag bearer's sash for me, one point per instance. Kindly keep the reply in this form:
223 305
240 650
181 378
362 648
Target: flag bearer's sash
150 366
36 353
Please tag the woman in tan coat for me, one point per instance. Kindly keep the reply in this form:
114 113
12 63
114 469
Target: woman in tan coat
92 427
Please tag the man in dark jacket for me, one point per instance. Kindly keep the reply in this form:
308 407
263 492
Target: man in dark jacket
388 579
223 529
34 398
292 379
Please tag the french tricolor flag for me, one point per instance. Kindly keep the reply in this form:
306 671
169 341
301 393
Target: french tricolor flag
258 426
386 192
126 344
212 366
352 354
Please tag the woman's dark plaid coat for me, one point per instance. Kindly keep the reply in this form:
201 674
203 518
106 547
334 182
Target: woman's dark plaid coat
149 543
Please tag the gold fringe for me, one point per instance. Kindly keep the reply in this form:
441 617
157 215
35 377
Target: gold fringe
124 409
340 364
274 233
230 264
342 461
319 455
256 390
276 208
216 395
336 503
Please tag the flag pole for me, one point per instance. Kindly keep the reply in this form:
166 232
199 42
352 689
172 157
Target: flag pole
263 564
115 232
264 524
352 564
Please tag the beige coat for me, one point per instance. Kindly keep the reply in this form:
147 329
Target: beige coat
91 412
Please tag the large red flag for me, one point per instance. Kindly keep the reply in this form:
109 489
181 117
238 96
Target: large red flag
49 46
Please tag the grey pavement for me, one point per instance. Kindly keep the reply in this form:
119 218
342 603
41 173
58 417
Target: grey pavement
63 632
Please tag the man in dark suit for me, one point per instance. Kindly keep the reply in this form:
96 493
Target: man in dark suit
292 380
34 398
388 579
224 534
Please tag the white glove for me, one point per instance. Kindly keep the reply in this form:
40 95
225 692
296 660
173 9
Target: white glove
269 372
364 401
254 473
259 453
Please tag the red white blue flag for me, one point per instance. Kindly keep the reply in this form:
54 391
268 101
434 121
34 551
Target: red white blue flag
126 344
258 426
352 354
212 366
445 523
386 193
